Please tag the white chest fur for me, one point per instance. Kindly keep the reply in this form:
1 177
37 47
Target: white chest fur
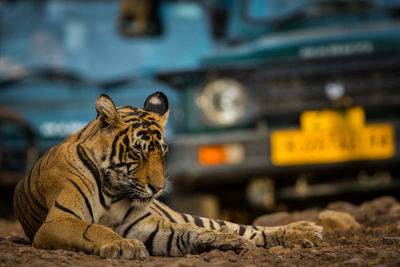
115 214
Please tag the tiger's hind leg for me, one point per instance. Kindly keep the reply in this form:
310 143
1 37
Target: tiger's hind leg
304 234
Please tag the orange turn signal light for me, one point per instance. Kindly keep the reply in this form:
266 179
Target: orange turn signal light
220 154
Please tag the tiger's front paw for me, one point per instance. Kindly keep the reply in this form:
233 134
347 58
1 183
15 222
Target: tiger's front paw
209 240
125 249
303 233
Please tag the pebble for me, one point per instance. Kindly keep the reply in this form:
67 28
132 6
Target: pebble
8 257
69 253
337 221
355 261
231 256
277 260
24 249
48 255
277 249
388 254
371 251
213 254
191 256
315 251
220 262
325 244
329 256
395 210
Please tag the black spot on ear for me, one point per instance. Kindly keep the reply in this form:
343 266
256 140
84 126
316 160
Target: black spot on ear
157 103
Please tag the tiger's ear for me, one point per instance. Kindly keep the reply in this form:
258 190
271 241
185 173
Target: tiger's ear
158 103
107 113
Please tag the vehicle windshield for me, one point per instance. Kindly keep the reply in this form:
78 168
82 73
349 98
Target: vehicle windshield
82 37
274 9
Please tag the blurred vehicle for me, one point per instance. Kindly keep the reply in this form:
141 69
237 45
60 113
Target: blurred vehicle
271 100
57 57
298 100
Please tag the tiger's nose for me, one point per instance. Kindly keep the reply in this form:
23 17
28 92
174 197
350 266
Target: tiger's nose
155 189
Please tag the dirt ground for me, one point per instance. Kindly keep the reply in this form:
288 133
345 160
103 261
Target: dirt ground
375 243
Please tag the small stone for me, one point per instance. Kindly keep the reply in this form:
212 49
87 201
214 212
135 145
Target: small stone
388 254
277 260
244 252
371 251
212 255
325 244
69 253
337 221
24 249
395 210
63 259
191 256
329 256
8 257
315 251
232 259
231 256
48 256
219 262
277 249
356 261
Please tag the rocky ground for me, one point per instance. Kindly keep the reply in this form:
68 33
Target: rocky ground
365 235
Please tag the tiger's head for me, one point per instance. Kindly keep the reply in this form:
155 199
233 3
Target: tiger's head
131 148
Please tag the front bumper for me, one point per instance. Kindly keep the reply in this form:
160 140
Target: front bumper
184 166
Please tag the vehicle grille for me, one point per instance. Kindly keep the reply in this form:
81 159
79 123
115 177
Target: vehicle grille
371 83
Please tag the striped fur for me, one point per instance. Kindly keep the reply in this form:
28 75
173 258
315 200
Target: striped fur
95 192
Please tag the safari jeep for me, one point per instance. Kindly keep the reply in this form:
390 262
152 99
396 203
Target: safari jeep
300 100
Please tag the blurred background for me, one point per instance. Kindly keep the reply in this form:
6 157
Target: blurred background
275 104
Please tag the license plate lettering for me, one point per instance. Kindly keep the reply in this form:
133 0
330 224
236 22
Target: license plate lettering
295 147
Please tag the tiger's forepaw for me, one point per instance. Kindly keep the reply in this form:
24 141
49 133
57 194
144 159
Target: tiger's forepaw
209 240
303 233
125 249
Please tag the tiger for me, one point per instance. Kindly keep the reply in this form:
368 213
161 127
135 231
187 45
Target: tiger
97 191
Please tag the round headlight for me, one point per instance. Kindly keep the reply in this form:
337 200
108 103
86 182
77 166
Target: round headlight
223 102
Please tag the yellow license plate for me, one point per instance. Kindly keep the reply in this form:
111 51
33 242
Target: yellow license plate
332 145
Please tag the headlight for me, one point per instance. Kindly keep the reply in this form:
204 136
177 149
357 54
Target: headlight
223 102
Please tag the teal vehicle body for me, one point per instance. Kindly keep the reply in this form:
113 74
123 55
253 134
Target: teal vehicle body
57 57
280 59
